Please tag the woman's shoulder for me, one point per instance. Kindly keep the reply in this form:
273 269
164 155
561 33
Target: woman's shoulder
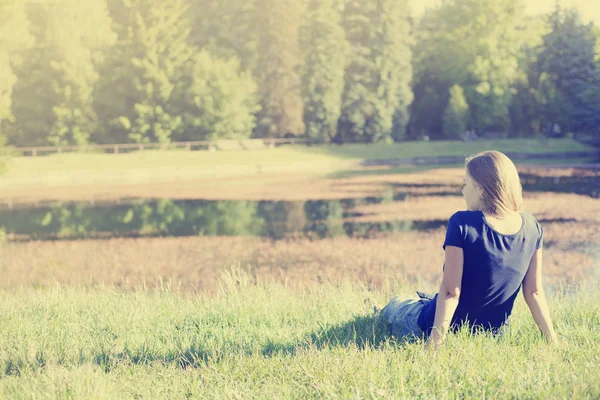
532 222
466 216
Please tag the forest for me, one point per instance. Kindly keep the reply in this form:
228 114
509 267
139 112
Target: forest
342 71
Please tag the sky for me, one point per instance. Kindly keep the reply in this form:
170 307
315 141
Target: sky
590 9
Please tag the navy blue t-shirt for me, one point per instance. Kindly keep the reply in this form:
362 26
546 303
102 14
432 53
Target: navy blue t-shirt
493 271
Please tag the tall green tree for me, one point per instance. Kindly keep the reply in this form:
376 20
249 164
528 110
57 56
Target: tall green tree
84 33
456 114
143 69
472 43
278 68
325 51
525 112
220 101
568 74
53 98
378 33
226 29
15 40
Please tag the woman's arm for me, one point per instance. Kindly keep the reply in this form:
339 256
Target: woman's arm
448 295
535 297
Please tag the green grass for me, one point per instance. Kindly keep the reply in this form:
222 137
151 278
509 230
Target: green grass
451 148
71 169
262 340
423 168
286 154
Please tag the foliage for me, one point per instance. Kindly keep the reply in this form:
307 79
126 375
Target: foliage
474 44
226 29
324 49
144 69
525 110
53 101
114 71
277 69
224 99
378 69
568 74
15 39
4 154
456 114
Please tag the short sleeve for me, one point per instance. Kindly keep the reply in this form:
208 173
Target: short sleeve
454 232
540 241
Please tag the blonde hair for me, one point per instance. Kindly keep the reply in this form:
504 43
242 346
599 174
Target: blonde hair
498 178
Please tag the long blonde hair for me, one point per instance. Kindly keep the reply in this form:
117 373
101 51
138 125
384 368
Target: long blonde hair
499 180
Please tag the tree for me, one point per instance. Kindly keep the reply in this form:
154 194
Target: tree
220 100
143 70
3 154
456 114
53 102
15 40
597 31
525 112
226 29
85 33
405 99
378 33
277 71
474 44
324 49
568 74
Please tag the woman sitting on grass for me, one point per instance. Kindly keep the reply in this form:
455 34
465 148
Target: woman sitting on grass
491 250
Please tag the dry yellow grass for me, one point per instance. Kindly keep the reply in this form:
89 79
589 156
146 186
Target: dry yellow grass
194 263
571 222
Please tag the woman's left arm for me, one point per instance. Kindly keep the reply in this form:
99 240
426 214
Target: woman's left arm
448 295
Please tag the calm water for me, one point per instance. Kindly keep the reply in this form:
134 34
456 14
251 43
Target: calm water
271 219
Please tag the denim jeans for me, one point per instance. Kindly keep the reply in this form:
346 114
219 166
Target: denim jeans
401 316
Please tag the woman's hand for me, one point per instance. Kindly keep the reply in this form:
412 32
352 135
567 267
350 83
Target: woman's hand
435 340
431 345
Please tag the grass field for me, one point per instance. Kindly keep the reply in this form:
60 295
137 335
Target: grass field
67 162
245 317
263 340
251 174
571 235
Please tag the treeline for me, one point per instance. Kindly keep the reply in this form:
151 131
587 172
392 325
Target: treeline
141 71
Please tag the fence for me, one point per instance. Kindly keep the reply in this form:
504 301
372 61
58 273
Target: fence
222 145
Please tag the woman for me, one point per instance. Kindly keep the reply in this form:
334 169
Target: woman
491 250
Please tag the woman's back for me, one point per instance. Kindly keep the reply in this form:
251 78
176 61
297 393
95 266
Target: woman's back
486 260
494 266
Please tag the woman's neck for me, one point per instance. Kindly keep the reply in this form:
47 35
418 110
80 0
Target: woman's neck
507 224
501 217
